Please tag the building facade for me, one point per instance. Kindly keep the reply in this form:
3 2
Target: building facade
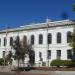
50 40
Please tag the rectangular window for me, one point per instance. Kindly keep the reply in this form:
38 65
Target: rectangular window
11 41
49 54
0 42
69 54
3 54
49 38
40 56
40 39
5 41
58 54
58 37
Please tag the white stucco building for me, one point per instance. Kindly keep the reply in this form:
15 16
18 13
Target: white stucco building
50 40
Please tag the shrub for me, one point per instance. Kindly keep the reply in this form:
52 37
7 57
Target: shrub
2 62
73 63
67 63
56 63
43 64
63 63
24 69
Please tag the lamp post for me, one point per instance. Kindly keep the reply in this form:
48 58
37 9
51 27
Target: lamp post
47 21
5 42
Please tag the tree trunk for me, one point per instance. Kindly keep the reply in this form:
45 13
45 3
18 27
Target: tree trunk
18 63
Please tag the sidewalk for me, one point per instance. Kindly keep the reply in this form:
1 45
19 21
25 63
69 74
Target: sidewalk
34 72
40 72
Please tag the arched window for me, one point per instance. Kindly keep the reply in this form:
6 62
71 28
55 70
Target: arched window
17 41
11 41
18 38
0 41
24 40
32 39
58 37
40 39
69 37
49 38
5 41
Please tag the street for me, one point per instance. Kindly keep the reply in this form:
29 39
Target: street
5 73
39 73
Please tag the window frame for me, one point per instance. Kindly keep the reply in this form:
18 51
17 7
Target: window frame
32 39
49 38
58 54
69 54
69 36
59 37
40 39
48 54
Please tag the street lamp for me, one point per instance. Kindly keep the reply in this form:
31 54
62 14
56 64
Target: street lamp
5 43
47 21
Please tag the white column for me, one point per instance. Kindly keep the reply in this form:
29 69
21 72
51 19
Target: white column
64 54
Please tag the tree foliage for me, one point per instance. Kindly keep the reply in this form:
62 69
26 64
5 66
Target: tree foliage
73 7
73 42
21 49
9 57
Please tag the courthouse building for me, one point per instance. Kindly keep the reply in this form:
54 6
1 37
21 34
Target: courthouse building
50 40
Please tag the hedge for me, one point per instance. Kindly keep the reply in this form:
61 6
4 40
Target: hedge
56 63
62 63
2 62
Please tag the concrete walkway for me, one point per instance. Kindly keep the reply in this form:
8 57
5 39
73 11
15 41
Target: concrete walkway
40 72
64 72
49 72
2 69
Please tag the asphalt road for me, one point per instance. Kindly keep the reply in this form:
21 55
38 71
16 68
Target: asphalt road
56 73
65 73
4 73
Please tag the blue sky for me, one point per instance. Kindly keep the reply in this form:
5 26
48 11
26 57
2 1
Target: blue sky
15 13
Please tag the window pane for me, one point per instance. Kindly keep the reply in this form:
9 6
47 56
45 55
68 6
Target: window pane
58 54
49 38
32 39
69 37
18 39
40 39
11 41
69 54
40 56
5 41
0 42
58 37
3 54
49 54
24 40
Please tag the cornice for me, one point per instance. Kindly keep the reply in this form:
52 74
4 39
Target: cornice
40 26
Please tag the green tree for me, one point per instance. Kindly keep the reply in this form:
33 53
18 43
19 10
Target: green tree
21 49
73 42
73 7
9 57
